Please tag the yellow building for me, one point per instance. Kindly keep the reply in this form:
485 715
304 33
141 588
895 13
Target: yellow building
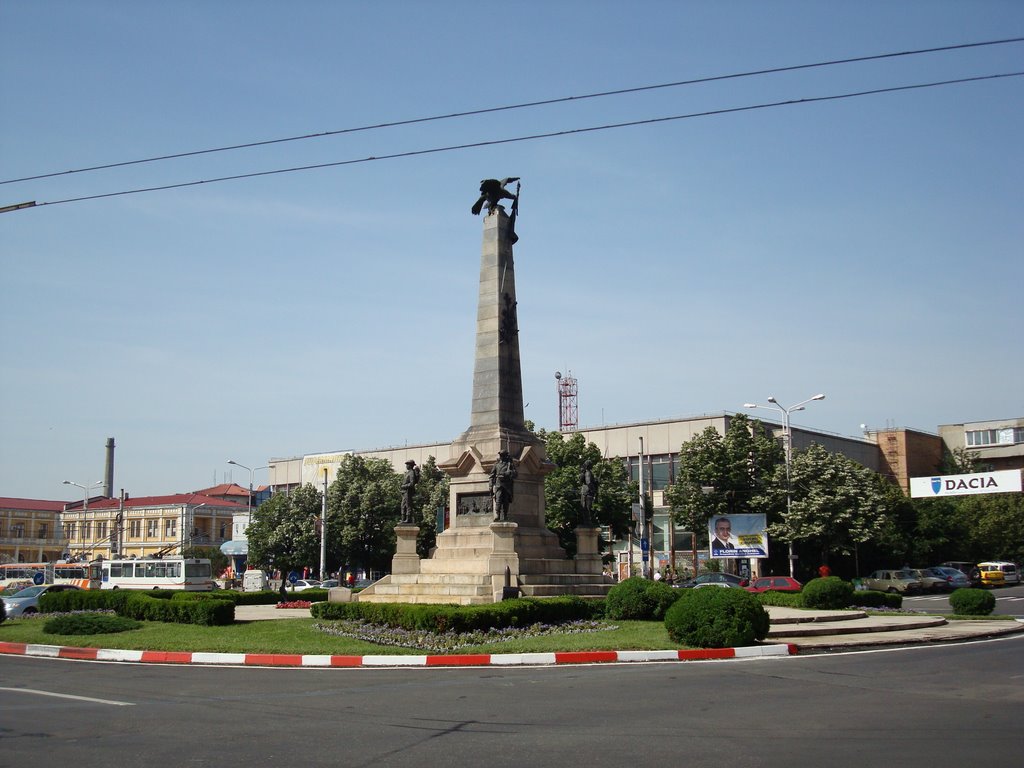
30 530
147 525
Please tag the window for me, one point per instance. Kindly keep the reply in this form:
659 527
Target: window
101 530
171 528
69 531
1001 436
17 530
43 532
86 530
152 529
135 528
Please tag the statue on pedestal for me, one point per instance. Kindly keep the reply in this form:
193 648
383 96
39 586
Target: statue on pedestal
588 492
412 476
503 475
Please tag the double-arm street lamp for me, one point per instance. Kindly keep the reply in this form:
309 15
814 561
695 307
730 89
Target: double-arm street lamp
787 445
251 471
85 501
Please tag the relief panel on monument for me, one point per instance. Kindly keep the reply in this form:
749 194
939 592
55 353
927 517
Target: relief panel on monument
473 503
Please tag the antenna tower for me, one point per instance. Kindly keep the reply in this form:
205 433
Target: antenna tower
568 413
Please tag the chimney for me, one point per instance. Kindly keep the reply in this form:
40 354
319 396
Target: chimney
108 475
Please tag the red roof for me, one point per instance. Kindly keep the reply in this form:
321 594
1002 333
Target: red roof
164 501
225 489
38 505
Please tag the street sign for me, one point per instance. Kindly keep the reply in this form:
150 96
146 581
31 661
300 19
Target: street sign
645 545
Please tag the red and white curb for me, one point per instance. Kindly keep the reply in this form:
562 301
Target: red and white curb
452 660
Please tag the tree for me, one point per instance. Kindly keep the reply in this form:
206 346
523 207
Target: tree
431 495
615 491
836 503
363 506
996 524
734 474
283 533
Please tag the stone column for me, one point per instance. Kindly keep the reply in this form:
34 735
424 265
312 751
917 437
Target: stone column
405 559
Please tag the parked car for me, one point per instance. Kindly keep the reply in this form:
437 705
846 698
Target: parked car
302 584
774 584
1011 573
330 583
714 578
931 581
26 602
987 576
896 580
955 578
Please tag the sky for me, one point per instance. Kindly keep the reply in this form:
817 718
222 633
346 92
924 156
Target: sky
867 248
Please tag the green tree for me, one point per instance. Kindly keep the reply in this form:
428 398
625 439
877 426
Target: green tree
996 523
431 495
731 474
836 503
283 532
615 491
363 506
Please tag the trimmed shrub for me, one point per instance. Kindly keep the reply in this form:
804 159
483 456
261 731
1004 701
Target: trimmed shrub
713 617
88 624
3 612
152 605
968 601
830 593
522 612
640 599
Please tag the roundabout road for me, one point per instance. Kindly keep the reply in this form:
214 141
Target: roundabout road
926 705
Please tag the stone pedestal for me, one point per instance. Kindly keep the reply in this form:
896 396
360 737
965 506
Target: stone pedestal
588 555
406 560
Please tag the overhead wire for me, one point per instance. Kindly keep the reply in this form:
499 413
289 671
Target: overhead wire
524 105
534 137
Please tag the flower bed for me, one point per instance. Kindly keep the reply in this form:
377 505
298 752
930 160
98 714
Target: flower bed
295 604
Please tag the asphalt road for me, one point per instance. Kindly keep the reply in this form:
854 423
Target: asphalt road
1009 602
923 706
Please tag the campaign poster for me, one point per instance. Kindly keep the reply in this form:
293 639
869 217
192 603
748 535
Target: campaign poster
736 536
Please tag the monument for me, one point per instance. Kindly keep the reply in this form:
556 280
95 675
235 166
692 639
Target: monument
497 542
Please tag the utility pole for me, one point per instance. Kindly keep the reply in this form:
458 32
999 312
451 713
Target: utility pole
323 531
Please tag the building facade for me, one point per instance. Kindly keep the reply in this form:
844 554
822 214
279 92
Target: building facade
997 444
30 531
147 525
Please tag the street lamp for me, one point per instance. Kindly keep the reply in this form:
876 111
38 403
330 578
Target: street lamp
787 444
85 503
85 490
232 461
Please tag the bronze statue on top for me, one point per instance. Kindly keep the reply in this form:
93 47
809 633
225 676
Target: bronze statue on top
412 476
588 492
492 192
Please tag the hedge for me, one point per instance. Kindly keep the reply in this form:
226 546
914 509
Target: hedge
712 617
871 598
522 612
640 599
165 605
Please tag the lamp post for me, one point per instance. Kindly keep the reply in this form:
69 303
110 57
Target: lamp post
251 471
85 503
787 445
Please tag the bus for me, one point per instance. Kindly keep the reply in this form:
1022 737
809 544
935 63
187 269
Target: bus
82 575
190 574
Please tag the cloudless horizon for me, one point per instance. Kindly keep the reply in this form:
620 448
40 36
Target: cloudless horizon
868 247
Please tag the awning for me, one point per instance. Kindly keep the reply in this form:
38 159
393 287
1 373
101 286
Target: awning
235 547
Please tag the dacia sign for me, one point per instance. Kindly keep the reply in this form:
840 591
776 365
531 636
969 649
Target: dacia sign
1005 481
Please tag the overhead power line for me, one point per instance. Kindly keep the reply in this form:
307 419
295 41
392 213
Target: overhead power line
524 105
534 137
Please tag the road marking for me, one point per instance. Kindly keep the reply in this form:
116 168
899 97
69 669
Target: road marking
69 696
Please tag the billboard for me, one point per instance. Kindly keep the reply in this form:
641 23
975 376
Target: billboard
1003 481
314 464
738 536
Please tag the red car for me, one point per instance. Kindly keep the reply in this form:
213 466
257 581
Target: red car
775 584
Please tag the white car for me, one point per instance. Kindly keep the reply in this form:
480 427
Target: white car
302 584
26 602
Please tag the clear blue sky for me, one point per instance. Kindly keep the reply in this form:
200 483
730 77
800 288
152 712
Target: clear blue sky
866 248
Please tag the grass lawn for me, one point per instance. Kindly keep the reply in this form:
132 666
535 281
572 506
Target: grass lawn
299 636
